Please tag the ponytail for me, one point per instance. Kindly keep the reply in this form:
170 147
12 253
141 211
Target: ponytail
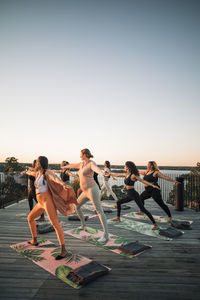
44 164
44 176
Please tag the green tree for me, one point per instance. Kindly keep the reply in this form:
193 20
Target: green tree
12 165
196 170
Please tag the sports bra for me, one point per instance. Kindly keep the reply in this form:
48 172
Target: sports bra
41 185
64 176
128 181
151 178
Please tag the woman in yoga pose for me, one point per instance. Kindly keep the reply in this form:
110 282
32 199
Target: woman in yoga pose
131 176
65 175
151 175
106 185
89 188
31 190
51 194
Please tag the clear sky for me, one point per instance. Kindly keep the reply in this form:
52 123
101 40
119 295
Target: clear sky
121 78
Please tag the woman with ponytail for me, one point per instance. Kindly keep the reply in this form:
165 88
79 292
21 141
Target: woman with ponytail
131 176
89 188
106 185
151 175
52 194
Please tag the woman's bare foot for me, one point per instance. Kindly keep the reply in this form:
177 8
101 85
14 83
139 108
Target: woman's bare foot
116 219
169 219
103 240
63 252
82 227
139 213
155 227
61 255
33 242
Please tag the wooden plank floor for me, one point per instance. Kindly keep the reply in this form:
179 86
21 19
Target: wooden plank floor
170 270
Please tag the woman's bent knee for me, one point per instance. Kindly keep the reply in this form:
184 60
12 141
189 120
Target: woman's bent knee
30 218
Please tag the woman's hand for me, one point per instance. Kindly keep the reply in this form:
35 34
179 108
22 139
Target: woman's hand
177 182
156 187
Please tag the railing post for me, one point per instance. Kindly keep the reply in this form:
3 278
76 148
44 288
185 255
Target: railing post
179 194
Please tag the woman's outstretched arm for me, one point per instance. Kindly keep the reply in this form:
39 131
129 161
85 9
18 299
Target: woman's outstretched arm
30 173
117 175
146 182
71 166
160 175
96 169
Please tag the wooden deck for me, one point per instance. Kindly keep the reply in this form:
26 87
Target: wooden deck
170 270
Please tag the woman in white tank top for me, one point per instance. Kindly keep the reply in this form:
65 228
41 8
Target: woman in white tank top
106 187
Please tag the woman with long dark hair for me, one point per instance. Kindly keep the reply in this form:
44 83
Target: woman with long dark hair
89 188
106 187
151 175
52 194
131 176
65 175
31 190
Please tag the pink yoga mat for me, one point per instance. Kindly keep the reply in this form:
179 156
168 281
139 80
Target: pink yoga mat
44 256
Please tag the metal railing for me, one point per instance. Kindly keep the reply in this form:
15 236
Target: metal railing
13 188
191 192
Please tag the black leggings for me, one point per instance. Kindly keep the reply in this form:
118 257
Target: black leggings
157 197
133 195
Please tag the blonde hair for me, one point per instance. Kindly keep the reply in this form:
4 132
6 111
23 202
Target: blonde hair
87 153
154 165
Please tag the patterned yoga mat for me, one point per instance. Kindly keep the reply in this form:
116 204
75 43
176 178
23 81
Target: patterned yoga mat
138 227
92 235
160 219
44 256
25 215
107 204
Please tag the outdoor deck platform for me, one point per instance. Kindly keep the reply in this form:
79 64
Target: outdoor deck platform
170 270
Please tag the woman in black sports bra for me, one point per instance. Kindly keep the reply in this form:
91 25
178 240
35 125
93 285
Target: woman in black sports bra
151 175
131 176
65 174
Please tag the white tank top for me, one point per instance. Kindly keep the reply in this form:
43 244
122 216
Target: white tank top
41 185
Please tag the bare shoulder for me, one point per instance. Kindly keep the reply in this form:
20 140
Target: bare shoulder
157 173
133 177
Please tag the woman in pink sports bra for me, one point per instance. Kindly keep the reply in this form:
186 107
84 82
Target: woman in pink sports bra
90 190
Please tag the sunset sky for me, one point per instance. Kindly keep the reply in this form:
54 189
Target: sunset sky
121 78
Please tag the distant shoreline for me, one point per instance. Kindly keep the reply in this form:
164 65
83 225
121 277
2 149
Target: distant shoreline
57 166
160 167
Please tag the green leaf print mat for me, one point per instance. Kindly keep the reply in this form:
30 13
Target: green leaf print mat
138 227
92 235
44 256
159 219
